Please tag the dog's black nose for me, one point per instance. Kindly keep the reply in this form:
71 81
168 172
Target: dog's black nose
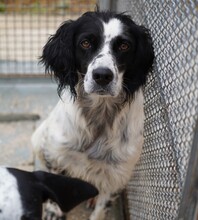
102 76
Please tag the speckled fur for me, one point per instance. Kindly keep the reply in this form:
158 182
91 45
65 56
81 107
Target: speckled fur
67 141
98 136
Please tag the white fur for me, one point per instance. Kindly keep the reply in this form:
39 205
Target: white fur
61 135
9 197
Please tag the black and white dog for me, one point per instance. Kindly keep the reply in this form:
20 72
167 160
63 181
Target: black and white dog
95 132
22 193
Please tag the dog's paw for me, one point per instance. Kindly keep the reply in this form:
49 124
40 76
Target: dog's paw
53 212
52 216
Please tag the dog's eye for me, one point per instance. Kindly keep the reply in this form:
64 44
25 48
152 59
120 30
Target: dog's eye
124 46
85 44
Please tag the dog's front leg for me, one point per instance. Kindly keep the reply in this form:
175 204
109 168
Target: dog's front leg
103 204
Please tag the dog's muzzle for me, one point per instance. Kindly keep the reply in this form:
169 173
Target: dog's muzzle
102 76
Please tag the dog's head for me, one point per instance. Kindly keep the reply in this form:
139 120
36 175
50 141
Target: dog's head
22 193
105 51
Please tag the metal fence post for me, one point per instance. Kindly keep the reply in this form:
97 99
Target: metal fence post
107 5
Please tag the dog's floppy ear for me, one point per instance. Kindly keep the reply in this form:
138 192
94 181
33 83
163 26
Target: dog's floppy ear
144 53
58 57
142 57
66 192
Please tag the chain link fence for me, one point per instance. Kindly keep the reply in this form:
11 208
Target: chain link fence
171 109
25 26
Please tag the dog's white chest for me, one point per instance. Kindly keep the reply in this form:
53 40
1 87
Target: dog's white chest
100 150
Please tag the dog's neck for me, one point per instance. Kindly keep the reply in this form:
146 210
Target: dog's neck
100 114
99 111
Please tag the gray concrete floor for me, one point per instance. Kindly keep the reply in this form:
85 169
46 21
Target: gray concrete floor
24 104
23 101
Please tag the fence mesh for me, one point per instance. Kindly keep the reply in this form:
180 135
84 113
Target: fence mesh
171 107
25 26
